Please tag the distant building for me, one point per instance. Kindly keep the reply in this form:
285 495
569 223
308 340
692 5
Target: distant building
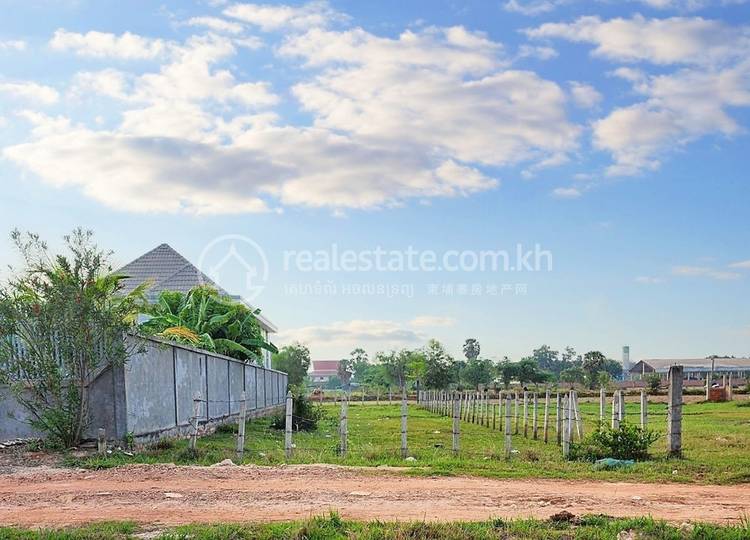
694 368
323 370
167 270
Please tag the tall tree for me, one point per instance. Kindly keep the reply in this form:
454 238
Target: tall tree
478 371
63 318
547 359
295 361
359 364
593 363
344 372
506 370
438 363
471 349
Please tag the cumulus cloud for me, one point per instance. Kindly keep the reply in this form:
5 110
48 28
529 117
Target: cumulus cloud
648 280
532 7
271 17
585 95
381 333
216 24
94 44
29 91
443 89
432 321
566 193
692 40
12 45
704 271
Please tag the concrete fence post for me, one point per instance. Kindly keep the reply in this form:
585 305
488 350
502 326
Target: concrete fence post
577 415
558 417
546 416
615 414
404 415
101 442
515 411
534 420
674 412
644 409
343 427
288 430
621 406
602 404
500 410
241 426
194 420
525 414
566 427
730 389
456 424
508 439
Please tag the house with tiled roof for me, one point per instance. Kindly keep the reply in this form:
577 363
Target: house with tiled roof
167 270
322 370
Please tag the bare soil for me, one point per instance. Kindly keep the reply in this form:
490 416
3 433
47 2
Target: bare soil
171 495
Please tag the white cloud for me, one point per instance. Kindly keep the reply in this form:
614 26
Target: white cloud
532 7
30 92
660 41
422 115
382 333
585 95
431 321
649 280
270 17
13 45
216 24
704 271
442 89
567 193
94 44
679 109
741 264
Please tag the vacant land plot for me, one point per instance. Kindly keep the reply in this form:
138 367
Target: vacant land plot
716 442
333 527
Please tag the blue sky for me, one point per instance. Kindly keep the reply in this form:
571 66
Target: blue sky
612 134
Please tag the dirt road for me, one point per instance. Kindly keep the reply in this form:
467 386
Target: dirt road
165 494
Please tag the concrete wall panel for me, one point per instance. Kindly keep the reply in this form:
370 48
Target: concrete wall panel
190 377
236 386
218 387
149 385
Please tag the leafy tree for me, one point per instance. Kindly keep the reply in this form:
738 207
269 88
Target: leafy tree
569 356
397 366
205 319
604 379
295 361
438 363
471 349
527 370
359 364
62 319
478 371
507 370
547 359
573 375
653 382
593 363
344 372
613 367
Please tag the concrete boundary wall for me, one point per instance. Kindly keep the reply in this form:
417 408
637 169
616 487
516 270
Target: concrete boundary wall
151 396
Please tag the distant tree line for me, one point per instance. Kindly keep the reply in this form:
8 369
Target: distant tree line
432 367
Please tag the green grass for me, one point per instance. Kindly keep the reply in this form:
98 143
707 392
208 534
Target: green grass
333 527
716 439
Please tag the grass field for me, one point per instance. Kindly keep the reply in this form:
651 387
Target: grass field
716 443
589 528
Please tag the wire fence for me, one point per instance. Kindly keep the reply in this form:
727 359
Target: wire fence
452 425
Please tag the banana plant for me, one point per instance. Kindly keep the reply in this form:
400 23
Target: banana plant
204 319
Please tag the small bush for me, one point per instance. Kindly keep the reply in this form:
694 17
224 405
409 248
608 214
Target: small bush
230 429
188 455
305 414
162 444
627 442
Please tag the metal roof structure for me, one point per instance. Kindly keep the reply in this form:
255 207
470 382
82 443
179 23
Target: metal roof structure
720 363
167 270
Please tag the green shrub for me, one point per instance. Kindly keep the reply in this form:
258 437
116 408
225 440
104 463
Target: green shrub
627 442
305 414
230 429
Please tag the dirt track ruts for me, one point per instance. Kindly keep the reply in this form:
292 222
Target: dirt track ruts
166 494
